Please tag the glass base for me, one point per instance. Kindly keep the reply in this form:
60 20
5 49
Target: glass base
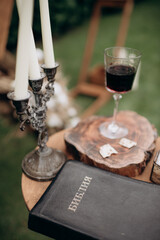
43 166
113 130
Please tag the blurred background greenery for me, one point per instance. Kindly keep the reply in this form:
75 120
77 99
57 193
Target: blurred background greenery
70 21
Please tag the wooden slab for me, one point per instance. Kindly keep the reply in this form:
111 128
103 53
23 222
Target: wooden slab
32 190
85 140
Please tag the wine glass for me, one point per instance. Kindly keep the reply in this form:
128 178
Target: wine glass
121 65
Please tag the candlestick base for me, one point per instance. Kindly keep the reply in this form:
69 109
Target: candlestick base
43 165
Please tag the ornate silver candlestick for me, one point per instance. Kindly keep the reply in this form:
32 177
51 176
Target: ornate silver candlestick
42 163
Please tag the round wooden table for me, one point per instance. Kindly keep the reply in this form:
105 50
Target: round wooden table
33 190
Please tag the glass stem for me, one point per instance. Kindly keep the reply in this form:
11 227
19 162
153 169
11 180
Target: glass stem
116 98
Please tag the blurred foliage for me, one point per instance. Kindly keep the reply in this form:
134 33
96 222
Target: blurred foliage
64 15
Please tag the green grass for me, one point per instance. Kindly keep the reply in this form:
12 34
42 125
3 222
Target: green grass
144 35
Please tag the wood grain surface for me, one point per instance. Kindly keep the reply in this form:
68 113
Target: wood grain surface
84 142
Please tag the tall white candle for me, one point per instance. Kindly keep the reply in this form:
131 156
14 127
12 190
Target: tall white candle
46 34
22 57
34 69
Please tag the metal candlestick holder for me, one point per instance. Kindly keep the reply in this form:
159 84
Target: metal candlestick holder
42 163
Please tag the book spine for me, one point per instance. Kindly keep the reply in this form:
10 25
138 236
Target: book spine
54 230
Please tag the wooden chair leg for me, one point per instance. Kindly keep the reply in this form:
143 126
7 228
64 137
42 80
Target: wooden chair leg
5 18
123 28
82 85
98 103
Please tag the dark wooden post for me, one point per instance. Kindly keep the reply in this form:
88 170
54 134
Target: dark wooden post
5 18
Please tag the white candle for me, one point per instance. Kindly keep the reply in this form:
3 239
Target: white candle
46 34
34 69
21 73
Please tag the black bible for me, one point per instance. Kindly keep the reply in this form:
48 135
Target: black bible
85 202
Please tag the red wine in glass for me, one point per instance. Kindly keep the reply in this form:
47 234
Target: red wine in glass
121 64
119 78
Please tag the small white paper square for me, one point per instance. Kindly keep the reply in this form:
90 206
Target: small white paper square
107 150
125 142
